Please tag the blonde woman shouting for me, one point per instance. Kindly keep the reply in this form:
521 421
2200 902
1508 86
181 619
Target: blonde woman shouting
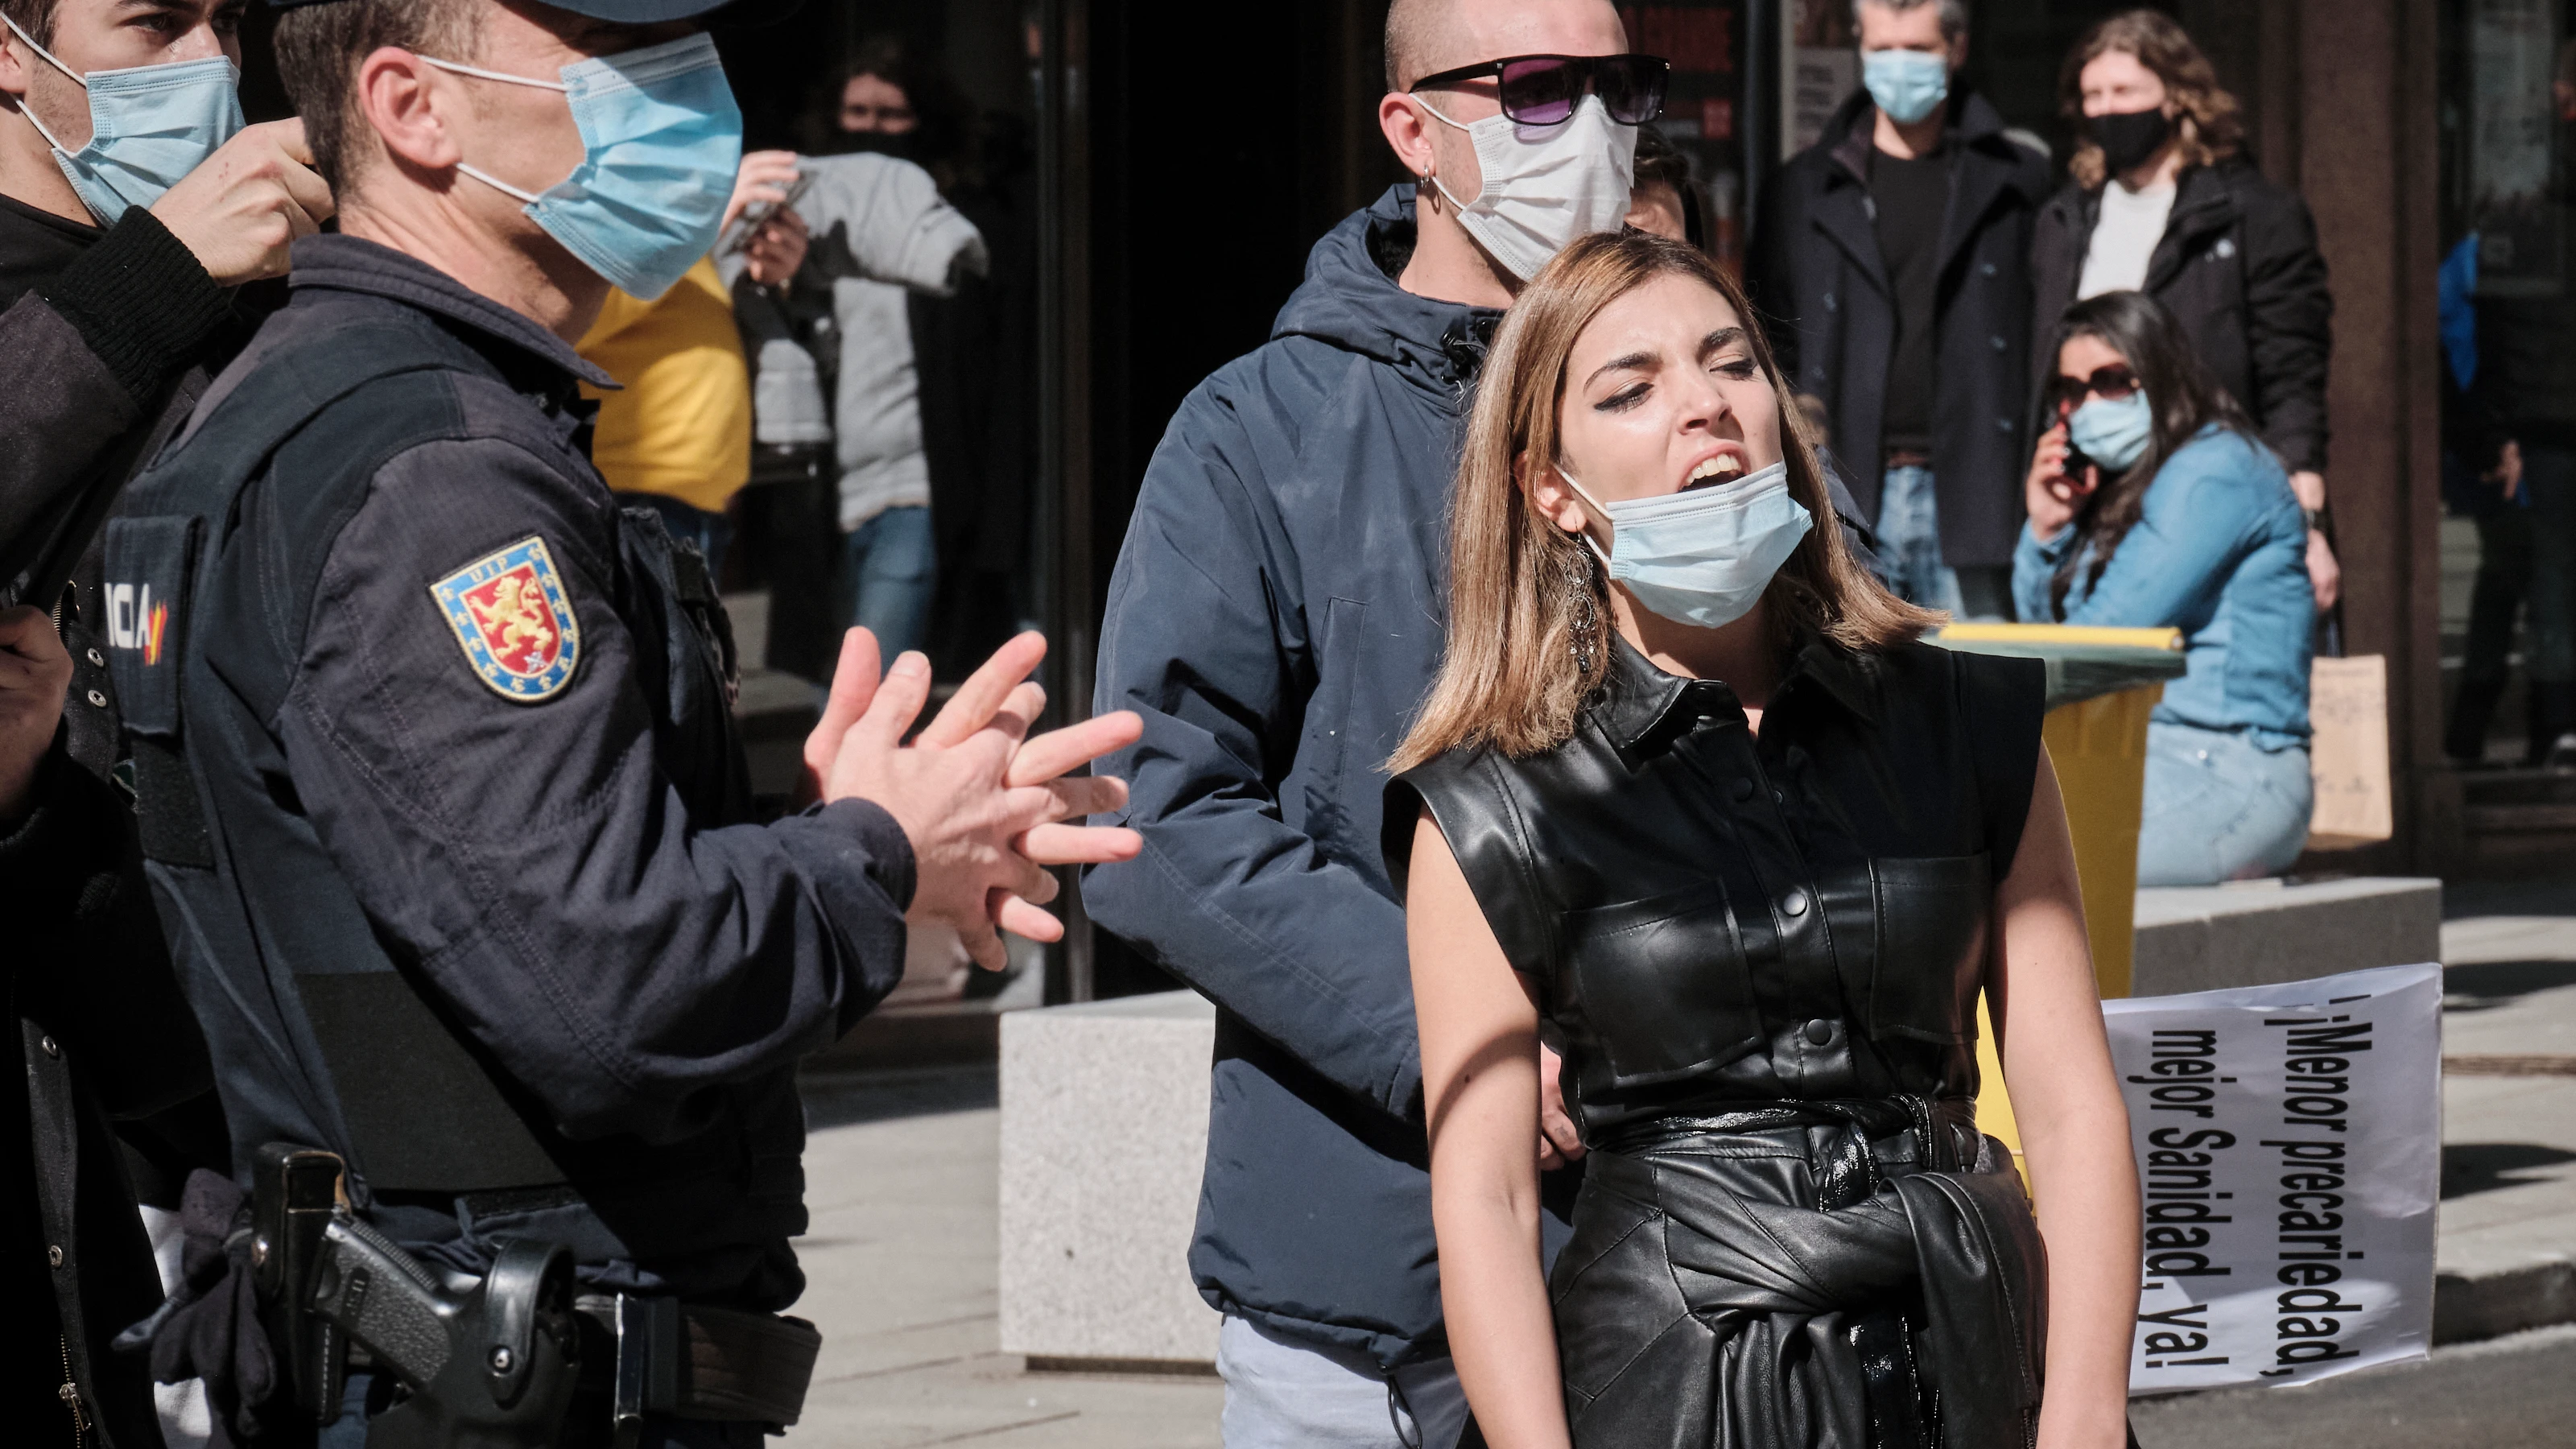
1690 797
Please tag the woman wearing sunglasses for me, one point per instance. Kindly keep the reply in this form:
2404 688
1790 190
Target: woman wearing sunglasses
2153 502
1690 798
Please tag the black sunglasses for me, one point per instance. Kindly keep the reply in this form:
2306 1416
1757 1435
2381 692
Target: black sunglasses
2111 384
1543 90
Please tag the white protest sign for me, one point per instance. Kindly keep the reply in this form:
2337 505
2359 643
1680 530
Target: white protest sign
2289 1142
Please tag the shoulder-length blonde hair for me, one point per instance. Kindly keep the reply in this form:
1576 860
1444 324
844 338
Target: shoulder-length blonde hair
2210 128
1529 605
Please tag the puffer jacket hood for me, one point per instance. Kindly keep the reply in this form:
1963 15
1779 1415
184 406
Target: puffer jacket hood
1350 300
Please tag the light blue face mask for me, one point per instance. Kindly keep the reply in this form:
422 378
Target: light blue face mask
661 139
2113 434
1703 556
1907 84
149 125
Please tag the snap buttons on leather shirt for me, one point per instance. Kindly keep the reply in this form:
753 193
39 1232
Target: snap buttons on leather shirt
1819 1032
1740 791
1794 903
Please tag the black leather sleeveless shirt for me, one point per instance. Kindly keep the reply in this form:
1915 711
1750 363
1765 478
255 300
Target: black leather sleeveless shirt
1712 918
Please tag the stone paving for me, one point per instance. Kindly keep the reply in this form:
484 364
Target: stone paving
902 1174
2507 1251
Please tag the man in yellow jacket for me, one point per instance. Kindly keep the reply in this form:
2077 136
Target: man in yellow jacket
676 436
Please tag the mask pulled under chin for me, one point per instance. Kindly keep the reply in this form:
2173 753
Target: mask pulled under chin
1703 556
1539 195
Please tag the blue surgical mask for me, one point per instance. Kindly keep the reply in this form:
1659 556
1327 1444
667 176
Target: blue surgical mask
1907 84
661 139
1705 555
149 125
2113 434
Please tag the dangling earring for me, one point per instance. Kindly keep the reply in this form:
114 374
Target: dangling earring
1428 190
1583 611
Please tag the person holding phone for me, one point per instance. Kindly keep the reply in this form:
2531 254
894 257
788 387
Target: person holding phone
2154 502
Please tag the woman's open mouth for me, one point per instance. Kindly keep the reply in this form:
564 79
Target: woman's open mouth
1723 468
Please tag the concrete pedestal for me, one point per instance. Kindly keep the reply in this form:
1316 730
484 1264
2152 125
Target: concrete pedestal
1104 1136
2262 932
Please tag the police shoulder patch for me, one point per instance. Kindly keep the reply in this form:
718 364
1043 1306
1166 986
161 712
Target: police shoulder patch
511 616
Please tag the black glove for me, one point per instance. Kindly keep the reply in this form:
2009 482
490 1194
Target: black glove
209 1329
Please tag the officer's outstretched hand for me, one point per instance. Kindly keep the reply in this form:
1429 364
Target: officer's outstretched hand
34 672
244 205
984 806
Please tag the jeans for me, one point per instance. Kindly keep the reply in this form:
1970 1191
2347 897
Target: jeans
2220 807
1281 1393
1909 544
2549 474
709 531
889 567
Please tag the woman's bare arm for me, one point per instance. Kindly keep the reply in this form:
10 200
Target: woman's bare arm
2074 1129
1480 1091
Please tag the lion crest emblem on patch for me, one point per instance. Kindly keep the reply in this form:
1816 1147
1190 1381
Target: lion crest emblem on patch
511 617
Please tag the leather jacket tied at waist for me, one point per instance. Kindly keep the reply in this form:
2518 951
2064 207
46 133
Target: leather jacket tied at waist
1818 1246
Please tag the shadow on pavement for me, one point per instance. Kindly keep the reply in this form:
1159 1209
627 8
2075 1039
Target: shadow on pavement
2508 1393
839 1099
2463 898
2474 1167
2481 985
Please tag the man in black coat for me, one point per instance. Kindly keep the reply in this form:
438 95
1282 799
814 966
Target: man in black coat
1890 260
108 329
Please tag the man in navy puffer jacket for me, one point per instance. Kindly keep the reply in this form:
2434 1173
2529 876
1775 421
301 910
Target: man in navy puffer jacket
1276 616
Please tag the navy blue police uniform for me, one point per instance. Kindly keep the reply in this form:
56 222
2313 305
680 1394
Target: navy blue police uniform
445 811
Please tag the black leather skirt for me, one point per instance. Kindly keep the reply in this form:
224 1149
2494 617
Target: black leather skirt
1860 1274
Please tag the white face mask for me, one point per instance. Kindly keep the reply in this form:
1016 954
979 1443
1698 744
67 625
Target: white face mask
1705 555
1545 185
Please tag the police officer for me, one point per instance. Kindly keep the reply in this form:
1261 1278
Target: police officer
437 773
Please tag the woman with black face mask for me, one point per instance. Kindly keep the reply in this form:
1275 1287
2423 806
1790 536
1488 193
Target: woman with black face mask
2160 200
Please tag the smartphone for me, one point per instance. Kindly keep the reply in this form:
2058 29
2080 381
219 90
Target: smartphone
738 235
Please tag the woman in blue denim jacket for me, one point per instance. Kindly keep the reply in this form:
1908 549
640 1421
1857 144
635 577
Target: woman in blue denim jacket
2153 503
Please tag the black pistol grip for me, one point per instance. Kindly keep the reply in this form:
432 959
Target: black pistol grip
374 1292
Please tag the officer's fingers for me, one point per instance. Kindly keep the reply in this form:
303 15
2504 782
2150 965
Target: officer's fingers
854 683
1079 844
1548 1158
1074 796
1020 712
1022 919
1032 882
1051 754
986 690
899 698
982 943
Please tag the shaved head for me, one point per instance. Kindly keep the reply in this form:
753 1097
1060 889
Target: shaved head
1410 27
1425 37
